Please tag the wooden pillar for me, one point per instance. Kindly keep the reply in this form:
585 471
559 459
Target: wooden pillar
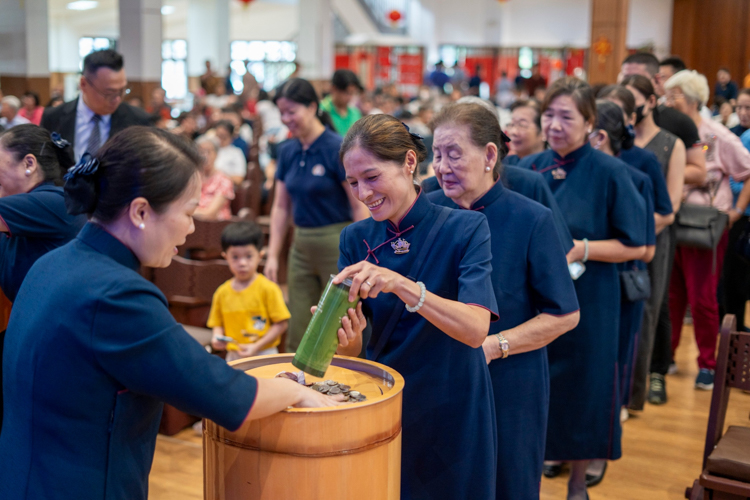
609 26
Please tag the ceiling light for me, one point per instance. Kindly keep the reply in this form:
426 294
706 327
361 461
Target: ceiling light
82 5
167 10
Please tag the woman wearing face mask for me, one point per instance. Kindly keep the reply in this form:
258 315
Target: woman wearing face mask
606 217
311 192
536 298
655 330
611 136
424 274
92 350
525 131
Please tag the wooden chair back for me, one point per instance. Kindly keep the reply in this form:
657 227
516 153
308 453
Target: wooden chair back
732 371
191 278
205 242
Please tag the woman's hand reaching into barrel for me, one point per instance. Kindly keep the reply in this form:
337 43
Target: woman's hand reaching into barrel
276 394
350 333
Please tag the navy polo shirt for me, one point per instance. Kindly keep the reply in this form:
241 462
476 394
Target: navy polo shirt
37 223
90 354
314 179
645 161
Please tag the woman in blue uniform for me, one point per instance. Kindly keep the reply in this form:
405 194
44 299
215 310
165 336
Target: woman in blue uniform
32 209
535 295
424 274
92 350
311 191
606 217
612 138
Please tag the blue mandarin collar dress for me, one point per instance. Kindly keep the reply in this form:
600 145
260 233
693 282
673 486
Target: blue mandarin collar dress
37 223
449 441
599 201
529 276
90 354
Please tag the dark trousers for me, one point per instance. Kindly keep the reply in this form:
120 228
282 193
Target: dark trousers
734 291
661 353
659 270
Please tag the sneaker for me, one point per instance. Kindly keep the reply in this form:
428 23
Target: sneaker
672 368
657 391
705 379
624 415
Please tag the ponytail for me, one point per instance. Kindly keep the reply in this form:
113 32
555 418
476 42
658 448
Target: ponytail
53 153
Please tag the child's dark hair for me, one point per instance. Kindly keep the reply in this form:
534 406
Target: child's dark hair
240 234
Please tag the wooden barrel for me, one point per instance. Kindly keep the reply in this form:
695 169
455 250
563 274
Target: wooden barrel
347 451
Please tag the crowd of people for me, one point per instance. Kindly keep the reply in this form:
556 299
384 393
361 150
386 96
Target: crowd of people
526 252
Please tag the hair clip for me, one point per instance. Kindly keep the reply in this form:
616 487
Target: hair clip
504 137
631 131
58 141
87 165
417 136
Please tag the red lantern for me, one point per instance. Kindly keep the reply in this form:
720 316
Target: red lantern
246 3
394 16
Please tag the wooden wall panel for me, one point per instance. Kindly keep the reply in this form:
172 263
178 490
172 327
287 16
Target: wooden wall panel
709 34
609 25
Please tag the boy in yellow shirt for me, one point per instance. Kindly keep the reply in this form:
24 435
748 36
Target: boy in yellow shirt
248 314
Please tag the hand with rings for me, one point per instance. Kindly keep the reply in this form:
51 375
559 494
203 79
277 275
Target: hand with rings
369 280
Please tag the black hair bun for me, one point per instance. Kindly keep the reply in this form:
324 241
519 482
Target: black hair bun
81 186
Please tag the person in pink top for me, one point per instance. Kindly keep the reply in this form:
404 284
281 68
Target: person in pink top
31 110
217 190
695 277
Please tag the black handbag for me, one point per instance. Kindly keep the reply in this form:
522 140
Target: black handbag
700 226
635 284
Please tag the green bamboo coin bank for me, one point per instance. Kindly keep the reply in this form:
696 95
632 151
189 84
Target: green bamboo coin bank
319 343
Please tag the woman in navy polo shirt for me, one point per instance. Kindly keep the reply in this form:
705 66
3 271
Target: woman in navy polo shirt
92 350
310 190
32 209
606 217
424 274
535 295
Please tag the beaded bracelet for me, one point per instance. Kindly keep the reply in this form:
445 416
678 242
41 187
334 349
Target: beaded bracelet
421 299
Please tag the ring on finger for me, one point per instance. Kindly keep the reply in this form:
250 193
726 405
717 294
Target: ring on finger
368 284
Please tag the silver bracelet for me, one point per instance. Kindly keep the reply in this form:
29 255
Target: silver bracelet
585 250
421 299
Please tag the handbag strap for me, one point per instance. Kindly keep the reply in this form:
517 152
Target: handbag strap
711 195
415 270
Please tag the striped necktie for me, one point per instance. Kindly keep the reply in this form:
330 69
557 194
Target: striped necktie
95 139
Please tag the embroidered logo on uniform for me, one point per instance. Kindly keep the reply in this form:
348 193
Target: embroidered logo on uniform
319 170
559 174
259 323
400 246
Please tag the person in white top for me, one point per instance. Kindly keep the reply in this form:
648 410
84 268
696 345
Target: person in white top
9 116
230 159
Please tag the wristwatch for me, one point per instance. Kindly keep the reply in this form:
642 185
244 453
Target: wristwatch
504 345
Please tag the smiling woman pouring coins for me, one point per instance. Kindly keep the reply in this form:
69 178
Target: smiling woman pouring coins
423 273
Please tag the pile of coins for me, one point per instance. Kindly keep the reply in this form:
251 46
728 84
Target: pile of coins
333 388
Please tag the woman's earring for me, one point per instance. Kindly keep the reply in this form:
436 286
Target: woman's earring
487 169
28 172
141 226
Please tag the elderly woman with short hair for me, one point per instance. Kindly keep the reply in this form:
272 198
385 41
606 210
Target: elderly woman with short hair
696 271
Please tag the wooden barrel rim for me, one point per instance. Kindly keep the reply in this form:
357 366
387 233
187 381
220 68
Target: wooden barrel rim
369 446
371 368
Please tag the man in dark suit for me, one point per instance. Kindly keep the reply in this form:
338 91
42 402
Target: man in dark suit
99 111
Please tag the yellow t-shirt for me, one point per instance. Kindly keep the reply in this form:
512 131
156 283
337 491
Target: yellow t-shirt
247 315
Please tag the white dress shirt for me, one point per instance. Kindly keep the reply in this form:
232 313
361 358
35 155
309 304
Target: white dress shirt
84 115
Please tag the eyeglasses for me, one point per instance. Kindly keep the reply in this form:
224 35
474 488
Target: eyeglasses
110 96
523 125
673 97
